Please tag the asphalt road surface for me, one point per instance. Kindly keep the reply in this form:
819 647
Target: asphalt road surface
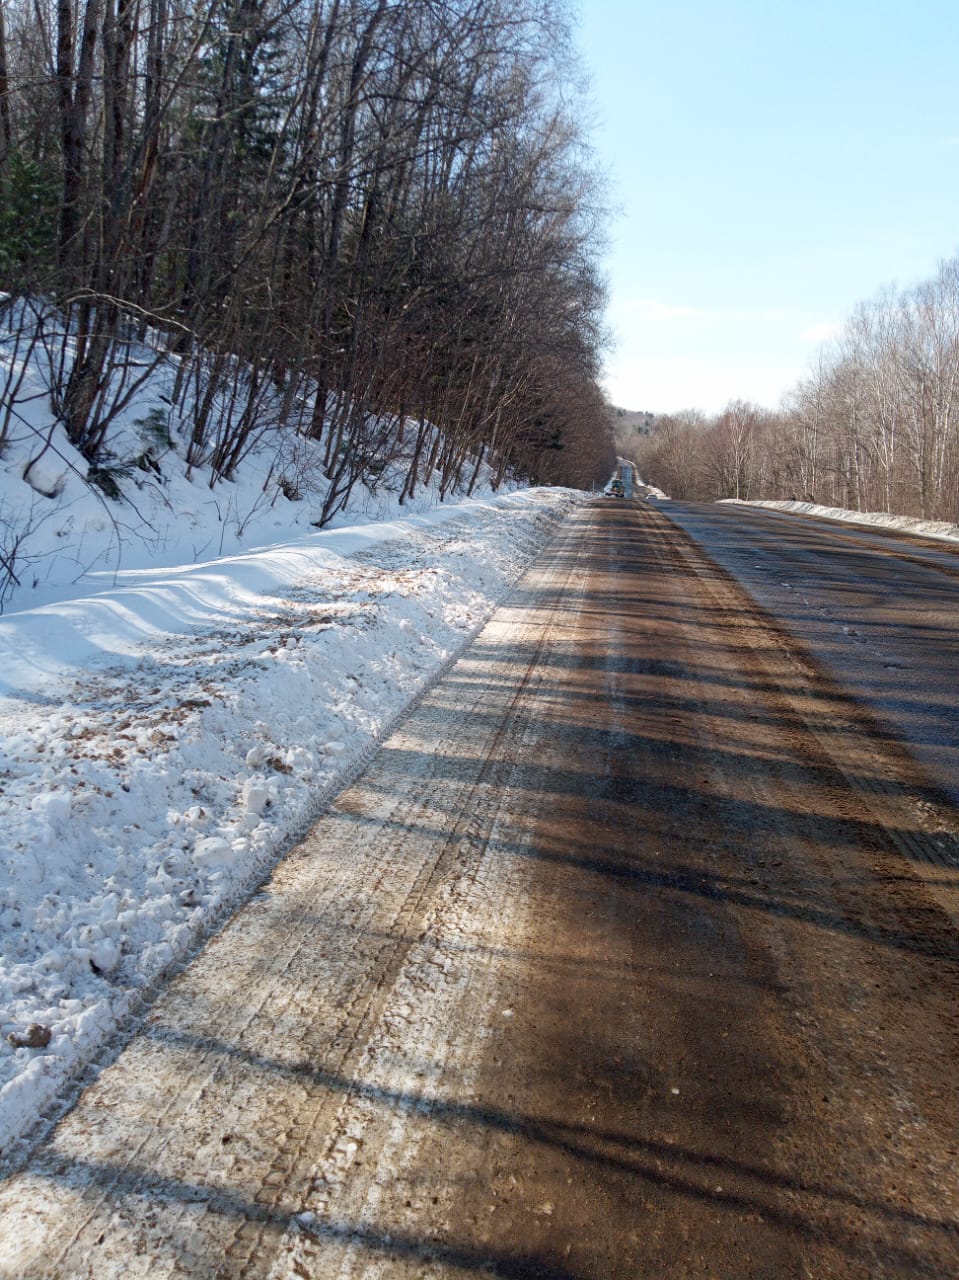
634 953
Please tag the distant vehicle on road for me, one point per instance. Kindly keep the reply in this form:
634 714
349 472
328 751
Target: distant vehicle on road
623 480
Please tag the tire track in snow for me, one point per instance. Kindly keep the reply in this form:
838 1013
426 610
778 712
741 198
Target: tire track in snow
194 1151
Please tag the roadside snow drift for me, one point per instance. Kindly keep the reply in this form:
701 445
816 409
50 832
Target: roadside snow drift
163 742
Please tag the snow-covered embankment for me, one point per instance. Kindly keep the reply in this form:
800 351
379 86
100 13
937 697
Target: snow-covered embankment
164 741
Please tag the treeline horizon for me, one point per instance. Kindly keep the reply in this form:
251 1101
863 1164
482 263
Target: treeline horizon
875 427
341 216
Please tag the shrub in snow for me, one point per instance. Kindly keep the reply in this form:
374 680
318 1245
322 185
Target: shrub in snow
148 491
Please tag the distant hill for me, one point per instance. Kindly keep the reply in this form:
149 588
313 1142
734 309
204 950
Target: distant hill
629 427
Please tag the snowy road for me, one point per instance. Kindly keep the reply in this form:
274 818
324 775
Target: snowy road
633 953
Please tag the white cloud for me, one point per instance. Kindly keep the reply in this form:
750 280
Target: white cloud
823 332
654 309
666 384
668 357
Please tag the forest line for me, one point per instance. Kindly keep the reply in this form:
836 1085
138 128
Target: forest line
358 219
874 427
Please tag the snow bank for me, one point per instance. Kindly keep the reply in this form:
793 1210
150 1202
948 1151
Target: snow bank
166 736
66 526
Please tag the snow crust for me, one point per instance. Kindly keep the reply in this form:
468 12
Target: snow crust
167 733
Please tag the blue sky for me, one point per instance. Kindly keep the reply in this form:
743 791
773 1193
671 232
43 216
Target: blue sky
772 165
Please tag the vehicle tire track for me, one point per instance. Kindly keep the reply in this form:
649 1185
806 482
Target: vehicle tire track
869 538
847 736
623 959
309 966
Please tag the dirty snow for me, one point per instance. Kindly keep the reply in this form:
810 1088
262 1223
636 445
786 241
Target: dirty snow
166 733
